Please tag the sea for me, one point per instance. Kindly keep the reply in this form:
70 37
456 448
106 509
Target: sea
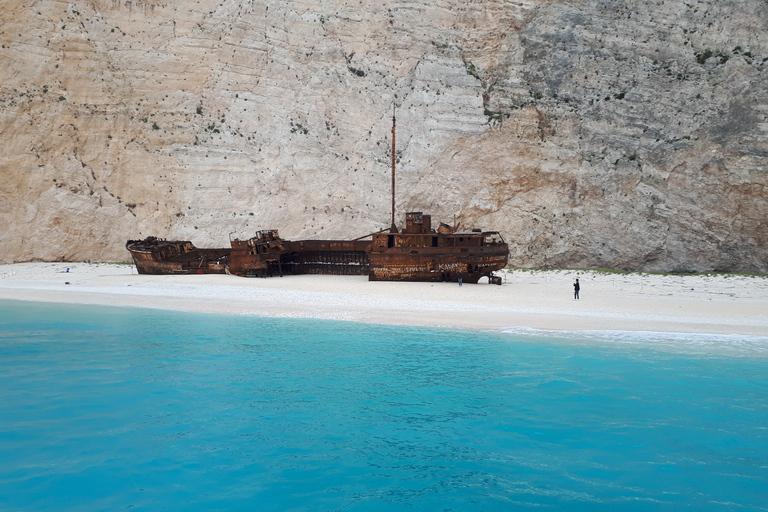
110 408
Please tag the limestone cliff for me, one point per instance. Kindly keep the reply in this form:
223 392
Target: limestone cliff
592 133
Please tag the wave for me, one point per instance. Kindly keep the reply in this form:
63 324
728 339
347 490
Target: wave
720 344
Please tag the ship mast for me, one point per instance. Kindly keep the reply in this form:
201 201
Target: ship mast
394 227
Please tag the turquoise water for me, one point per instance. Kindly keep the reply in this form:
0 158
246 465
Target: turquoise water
118 408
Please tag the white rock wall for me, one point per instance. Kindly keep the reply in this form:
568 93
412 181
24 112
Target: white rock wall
592 133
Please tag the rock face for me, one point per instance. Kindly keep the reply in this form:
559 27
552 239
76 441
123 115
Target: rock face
628 134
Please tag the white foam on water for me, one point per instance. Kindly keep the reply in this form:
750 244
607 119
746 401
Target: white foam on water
697 343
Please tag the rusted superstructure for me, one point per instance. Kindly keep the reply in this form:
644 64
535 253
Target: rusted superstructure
258 256
417 253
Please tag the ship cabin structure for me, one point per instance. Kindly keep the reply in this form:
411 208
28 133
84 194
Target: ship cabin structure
420 253
258 256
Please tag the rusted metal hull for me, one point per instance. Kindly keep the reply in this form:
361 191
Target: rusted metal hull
416 254
426 266
156 256
329 257
261 258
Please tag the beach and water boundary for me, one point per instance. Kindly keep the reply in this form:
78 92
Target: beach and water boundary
528 299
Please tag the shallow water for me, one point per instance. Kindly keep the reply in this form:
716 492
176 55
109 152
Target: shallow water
115 408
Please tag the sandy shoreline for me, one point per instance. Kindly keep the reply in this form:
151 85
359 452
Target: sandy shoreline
713 304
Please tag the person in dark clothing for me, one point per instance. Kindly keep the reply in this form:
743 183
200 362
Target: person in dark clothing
576 289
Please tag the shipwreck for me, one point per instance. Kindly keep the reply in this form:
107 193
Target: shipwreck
418 252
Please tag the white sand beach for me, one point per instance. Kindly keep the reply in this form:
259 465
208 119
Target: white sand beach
715 304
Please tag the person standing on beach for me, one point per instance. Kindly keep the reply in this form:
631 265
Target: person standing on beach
576 289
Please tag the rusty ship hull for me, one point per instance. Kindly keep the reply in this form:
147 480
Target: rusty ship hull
418 253
328 257
428 264
264 255
157 256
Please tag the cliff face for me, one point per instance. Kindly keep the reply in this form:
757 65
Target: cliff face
592 133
